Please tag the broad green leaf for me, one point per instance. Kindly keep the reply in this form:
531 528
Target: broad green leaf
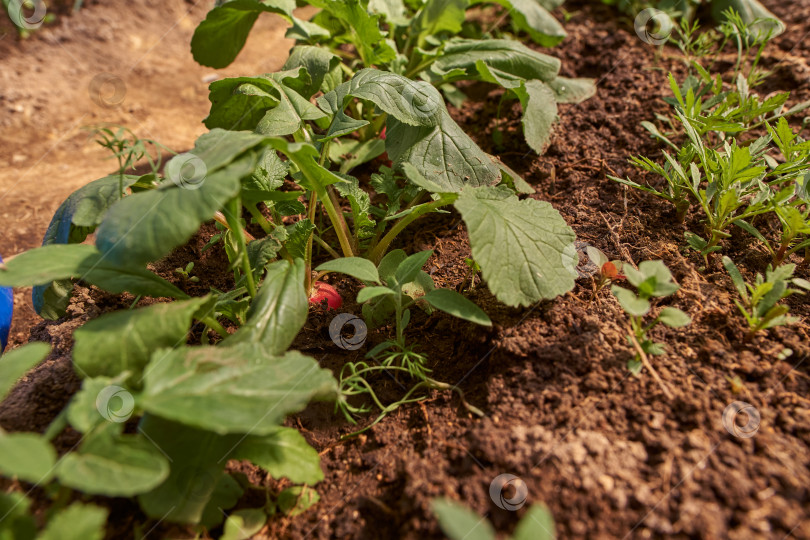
146 226
236 389
416 103
674 317
297 235
350 153
363 28
632 304
240 103
368 293
443 153
531 17
198 458
219 38
278 312
75 218
539 113
243 524
111 464
536 524
394 11
283 453
17 522
125 340
84 262
410 267
318 62
506 58
357 267
27 456
76 522
16 362
389 264
227 493
305 156
438 16
290 114
457 305
460 523
100 400
572 90
264 250
524 247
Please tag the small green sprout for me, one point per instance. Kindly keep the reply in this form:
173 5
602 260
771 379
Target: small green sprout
652 279
459 522
759 304
186 273
607 271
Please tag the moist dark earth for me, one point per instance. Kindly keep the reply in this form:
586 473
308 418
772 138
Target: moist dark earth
611 454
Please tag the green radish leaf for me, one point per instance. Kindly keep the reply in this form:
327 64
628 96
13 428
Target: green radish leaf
297 236
16 362
531 17
296 500
278 312
363 27
236 389
444 154
674 317
357 267
227 493
268 176
632 304
76 522
198 458
394 11
438 16
17 523
85 262
27 456
350 153
460 523
318 62
524 247
360 203
125 340
240 103
416 103
99 400
368 293
536 524
456 305
572 90
108 463
290 114
283 453
220 37
243 524
314 177
73 221
389 264
146 226
506 58
539 113
410 267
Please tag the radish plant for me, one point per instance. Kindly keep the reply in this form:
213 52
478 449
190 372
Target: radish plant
427 40
460 523
652 280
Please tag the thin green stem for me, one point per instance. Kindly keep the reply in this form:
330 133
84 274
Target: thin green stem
232 216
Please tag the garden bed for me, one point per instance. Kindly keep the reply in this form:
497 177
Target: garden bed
609 453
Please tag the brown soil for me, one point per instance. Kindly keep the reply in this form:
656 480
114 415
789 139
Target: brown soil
609 453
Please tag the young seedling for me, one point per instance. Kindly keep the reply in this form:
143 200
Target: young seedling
394 288
760 299
652 280
473 269
607 271
460 523
185 273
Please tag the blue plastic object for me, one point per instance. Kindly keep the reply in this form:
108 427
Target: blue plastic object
6 310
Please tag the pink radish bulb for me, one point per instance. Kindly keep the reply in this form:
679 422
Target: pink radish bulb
323 291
